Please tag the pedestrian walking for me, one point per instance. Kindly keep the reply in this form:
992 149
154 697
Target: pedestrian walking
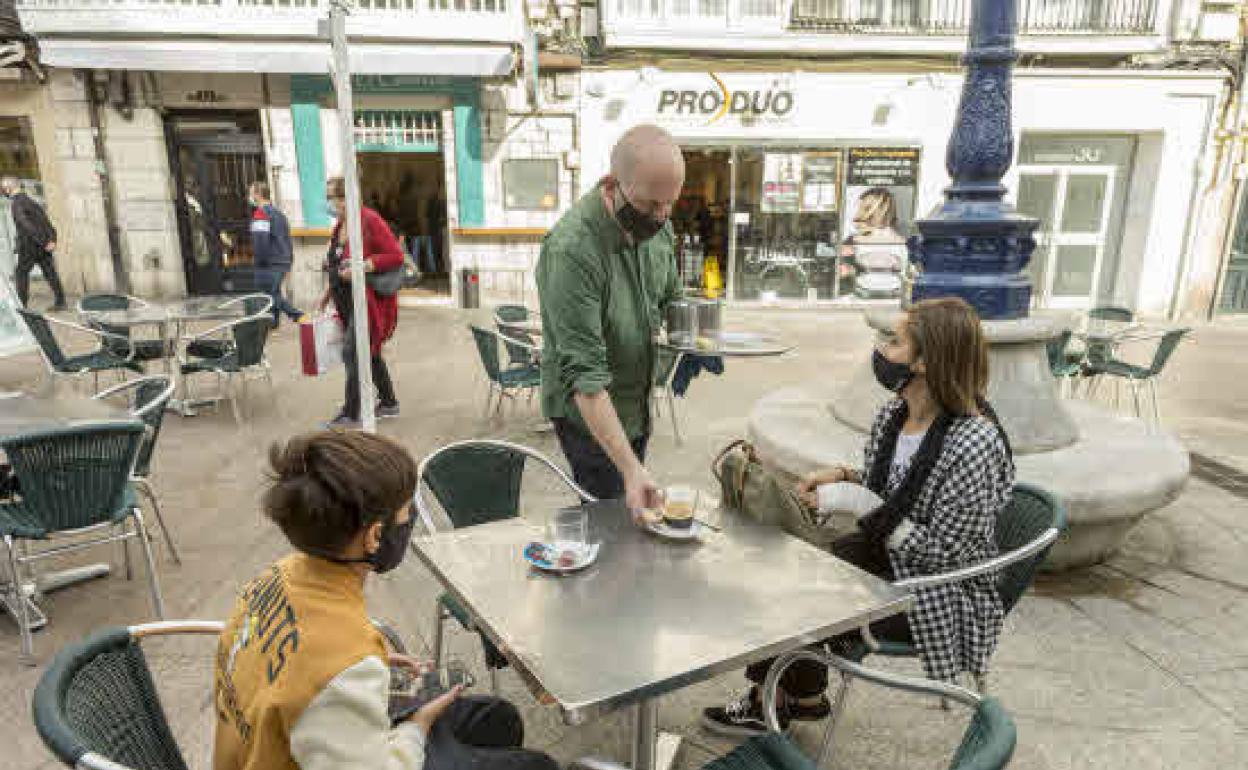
382 253
36 242
272 249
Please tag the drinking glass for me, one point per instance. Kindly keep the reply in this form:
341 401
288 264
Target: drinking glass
569 529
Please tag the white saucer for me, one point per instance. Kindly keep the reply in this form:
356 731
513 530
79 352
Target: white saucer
693 532
587 557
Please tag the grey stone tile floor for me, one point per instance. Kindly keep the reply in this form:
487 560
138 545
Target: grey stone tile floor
1138 663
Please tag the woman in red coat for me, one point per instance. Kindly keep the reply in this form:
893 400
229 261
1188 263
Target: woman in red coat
382 254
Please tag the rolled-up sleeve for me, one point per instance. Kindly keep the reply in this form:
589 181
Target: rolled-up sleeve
572 309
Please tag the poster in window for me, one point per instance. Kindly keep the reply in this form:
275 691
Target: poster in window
531 185
782 178
880 189
821 183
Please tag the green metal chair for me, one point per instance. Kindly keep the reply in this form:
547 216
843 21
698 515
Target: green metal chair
147 398
664 369
987 744
1137 376
144 349
1063 363
476 482
97 706
505 381
103 359
233 350
74 481
519 344
1025 531
1111 313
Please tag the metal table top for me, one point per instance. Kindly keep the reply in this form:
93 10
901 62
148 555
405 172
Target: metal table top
193 309
736 345
650 616
34 412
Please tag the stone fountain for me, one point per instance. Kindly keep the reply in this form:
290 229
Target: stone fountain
1109 470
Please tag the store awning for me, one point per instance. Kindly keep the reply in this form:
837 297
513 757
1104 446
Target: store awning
476 60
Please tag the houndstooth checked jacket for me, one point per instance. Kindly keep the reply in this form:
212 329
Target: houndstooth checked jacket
952 526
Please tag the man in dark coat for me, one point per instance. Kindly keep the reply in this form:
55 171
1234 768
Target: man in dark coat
36 242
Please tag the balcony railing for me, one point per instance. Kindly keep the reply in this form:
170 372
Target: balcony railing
952 17
466 20
858 22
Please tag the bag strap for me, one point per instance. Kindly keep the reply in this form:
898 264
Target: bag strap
717 466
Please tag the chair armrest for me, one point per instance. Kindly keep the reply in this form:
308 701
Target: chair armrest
391 634
1045 540
850 669
143 411
509 340
171 627
99 333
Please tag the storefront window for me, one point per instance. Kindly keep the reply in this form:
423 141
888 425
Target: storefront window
531 185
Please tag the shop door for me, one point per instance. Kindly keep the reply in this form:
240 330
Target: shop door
213 164
1234 297
1074 206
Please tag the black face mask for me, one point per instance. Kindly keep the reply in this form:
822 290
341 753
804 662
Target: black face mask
641 226
892 376
395 539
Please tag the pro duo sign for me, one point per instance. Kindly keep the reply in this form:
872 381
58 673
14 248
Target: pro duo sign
712 104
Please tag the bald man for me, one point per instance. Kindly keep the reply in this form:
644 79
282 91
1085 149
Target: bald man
605 276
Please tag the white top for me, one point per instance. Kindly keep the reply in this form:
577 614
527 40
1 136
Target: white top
347 726
907 445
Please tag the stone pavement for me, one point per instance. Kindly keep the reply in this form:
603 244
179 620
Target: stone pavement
1138 663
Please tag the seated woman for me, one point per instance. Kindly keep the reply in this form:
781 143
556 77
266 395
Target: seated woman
302 678
942 467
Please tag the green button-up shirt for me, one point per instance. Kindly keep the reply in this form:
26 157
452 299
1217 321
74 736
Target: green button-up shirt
602 300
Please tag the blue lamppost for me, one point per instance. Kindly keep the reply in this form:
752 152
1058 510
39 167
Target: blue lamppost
976 246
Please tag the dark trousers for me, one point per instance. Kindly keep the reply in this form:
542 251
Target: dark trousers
591 467
805 679
481 733
26 261
381 377
269 281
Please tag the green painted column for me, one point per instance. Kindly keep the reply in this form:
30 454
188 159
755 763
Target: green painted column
305 115
468 170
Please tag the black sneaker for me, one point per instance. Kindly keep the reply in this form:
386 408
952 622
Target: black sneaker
342 422
388 410
741 718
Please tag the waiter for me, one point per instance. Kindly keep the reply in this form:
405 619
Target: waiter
606 273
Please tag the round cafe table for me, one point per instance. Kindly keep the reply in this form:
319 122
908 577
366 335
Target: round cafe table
169 319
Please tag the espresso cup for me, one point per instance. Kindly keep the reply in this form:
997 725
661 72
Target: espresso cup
679 506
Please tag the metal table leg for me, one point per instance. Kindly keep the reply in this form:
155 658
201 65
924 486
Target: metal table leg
652 750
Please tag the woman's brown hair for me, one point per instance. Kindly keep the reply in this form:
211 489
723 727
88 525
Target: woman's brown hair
949 338
335 187
325 487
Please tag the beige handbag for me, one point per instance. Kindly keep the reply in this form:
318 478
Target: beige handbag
746 486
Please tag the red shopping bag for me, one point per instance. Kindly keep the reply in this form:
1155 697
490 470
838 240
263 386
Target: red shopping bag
320 344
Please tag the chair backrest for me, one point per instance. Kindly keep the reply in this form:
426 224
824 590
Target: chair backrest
988 743
1111 313
1169 343
41 330
108 302
98 697
1056 348
664 363
773 751
517 355
252 333
475 483
104 302
75 477
487 348
511 313
1031 512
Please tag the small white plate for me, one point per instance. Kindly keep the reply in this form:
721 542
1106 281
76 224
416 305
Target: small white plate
693 532
588 556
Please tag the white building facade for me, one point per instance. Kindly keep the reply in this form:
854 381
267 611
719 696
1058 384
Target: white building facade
790 113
